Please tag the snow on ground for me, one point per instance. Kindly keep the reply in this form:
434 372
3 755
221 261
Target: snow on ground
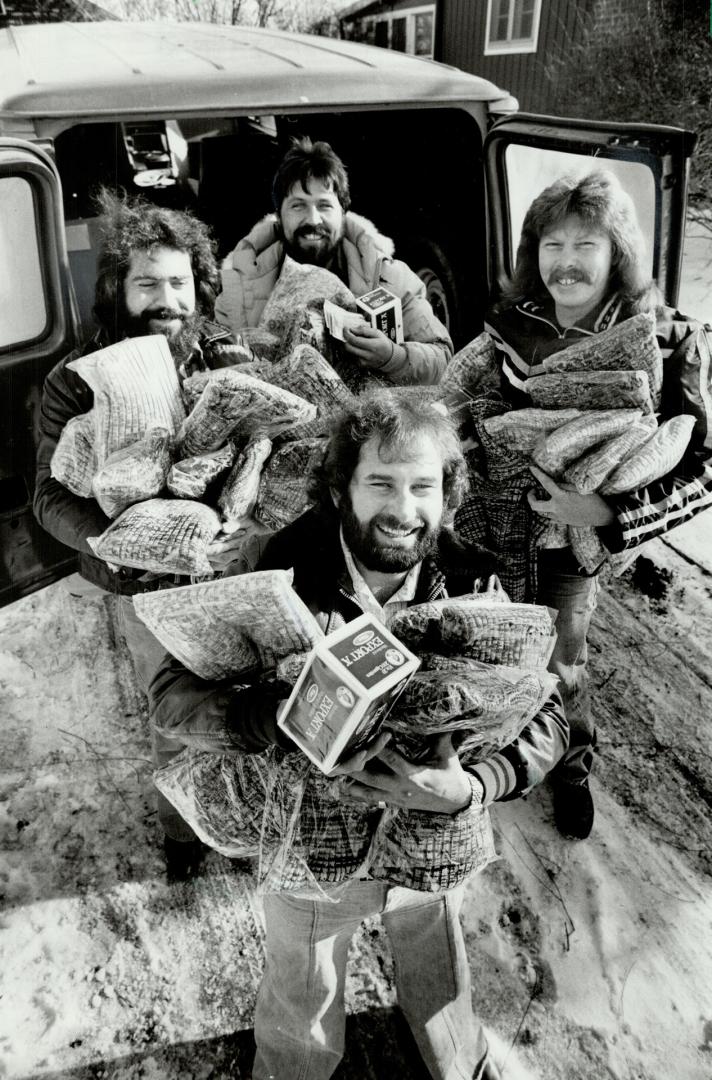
590 960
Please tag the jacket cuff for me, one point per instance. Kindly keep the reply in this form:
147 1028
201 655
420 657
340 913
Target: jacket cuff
611 536
497 777
251 719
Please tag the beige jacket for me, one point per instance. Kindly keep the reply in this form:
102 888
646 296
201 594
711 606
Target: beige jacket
251 271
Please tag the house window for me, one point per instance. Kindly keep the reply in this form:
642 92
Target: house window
512 26
409 30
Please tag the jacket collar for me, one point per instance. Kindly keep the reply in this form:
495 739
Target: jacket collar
602 317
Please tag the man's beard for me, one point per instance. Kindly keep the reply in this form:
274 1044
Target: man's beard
314 256
181 343
375 553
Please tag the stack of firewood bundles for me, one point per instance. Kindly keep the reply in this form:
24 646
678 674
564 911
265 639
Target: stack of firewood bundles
177 467
593 427
483 677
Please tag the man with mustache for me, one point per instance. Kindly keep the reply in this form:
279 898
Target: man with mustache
580 270
375 541
313 224
157 274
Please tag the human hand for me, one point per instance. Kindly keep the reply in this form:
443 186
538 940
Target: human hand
357 762
566 506
371 347
440 785
225 549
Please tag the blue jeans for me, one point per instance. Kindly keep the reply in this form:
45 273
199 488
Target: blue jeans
574 597
147 654
300 1016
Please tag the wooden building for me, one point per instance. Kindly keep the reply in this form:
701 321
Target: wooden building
520 45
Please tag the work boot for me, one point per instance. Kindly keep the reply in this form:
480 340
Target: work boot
183 858
573 808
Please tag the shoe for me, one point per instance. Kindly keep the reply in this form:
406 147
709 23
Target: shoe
183 858
573 809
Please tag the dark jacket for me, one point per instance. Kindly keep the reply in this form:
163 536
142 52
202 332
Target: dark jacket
215 716
526 333
68 517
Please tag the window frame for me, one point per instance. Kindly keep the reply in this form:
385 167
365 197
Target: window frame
510 46
409 15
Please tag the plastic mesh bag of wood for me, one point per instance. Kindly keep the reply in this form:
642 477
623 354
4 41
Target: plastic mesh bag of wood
237 499
167 536
566 443
306 373
189 478
135 473
234 404
301 286
243 805
282 493
74 461
274 807
628 346
591 390
656 457
473 369
135 387
588 472
230 625
485 706
517 635
431 852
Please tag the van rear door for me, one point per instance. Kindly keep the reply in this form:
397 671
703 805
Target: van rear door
525 153
37 327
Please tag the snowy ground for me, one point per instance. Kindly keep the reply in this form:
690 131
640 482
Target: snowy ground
590 960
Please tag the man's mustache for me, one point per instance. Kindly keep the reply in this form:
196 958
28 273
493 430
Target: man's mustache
559 272
163 314
307 230
388 522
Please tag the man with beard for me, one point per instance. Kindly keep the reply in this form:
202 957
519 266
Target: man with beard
374 541
157 274
313 224
581 269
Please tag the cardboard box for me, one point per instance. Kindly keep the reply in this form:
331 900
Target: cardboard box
349 683
383 310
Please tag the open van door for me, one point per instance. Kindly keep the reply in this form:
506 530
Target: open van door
525 153
37 327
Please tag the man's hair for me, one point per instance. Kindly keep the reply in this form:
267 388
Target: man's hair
399 418
600 201
306 161
131 224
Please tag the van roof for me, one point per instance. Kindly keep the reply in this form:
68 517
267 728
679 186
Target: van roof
110 69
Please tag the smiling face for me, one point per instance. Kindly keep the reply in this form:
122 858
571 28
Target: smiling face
159 292
575 262
392 512
312 222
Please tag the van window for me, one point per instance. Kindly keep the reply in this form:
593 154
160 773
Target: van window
23 307
531 169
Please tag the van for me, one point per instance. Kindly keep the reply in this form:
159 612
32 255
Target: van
198 115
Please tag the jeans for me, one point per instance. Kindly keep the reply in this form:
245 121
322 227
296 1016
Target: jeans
574 597
147 654
300 1016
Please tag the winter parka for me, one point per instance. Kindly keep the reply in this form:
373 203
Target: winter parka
250 273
